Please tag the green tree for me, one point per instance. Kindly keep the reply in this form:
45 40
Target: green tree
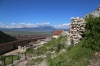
92 34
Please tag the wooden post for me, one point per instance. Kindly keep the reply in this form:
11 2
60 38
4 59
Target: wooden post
12 59
18 55
25 55
4 60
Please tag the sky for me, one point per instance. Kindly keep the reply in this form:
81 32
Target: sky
33 13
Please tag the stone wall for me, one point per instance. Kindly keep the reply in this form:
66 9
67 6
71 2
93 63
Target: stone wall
6 47
77 29
11 46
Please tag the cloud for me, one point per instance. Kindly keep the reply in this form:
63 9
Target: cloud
30 25
43 24
2 24
62 26
21 25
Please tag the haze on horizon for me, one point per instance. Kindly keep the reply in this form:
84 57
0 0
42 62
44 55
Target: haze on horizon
33 13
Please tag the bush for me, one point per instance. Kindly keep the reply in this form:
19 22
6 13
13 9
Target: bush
92 34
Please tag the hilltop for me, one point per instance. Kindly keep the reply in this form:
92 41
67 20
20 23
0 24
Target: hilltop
5 38
95 13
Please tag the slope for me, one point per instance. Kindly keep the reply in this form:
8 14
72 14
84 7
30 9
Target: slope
5 38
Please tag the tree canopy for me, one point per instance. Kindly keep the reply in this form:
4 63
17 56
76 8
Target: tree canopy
92 34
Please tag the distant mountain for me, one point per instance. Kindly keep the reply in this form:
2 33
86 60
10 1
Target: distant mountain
39 28
5 38
95 13
63 29
44 28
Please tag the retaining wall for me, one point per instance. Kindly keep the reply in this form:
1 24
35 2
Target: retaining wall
6 47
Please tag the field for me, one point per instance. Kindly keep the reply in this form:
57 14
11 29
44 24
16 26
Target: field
18 33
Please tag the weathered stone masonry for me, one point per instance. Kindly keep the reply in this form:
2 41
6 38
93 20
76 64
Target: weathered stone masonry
77 28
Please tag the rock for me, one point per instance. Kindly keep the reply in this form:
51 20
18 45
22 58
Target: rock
95 13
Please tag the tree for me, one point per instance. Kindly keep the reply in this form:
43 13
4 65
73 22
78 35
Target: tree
92 34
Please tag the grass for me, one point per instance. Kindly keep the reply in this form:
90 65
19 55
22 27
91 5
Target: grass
19 33
47 48
36 61
76 56
8 59
50 46
80 55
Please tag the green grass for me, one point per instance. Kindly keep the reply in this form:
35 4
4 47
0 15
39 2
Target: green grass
50 46
18 33
77 56
34 61
9 59
80 55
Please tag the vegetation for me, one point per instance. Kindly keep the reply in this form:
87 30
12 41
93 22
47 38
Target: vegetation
5 38
55 45
79 55
8 59
37 60
92 35
82 53
20 33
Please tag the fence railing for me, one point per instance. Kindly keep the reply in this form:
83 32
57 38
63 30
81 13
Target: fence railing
9 59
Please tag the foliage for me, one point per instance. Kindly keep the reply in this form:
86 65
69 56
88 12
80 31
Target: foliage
92 34
81 54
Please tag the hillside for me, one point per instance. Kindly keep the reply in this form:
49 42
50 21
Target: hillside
5 38
95 13
85 53
56 53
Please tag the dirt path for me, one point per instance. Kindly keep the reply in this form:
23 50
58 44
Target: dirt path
23 63
96 60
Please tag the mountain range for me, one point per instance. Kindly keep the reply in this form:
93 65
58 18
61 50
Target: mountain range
39 28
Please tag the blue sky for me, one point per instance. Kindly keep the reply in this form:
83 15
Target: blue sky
21 13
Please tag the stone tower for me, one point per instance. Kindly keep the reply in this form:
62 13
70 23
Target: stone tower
77 28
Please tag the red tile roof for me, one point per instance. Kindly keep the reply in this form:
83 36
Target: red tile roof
57 32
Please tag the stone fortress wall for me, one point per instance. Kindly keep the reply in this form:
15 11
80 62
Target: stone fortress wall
77 29
6 47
